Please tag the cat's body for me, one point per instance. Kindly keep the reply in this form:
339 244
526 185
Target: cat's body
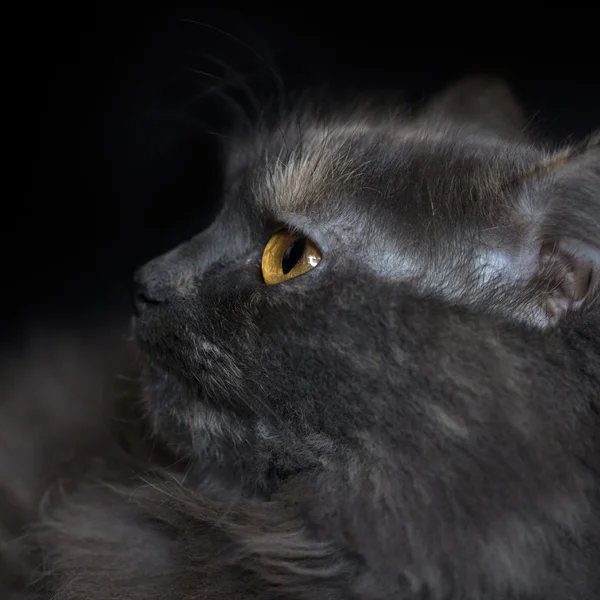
415 417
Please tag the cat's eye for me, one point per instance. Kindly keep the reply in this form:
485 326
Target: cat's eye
288 255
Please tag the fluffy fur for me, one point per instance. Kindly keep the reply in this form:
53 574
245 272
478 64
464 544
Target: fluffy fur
417 417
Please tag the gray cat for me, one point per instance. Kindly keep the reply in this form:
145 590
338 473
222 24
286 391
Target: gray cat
381 364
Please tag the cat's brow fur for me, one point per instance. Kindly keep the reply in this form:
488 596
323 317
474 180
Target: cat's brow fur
487 192
415 418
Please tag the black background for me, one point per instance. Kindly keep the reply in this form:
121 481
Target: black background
107 142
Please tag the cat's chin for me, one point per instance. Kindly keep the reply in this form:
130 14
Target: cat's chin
182 419
166 404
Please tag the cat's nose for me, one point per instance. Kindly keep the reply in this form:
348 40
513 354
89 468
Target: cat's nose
142 300
148 291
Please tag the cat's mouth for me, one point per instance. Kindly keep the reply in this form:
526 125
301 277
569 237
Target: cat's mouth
154 350
183 355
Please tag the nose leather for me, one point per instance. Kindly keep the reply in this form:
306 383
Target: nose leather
148 290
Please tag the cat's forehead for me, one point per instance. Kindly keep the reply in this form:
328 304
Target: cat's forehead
321 167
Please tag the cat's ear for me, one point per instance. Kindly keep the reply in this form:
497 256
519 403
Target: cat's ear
484 102
560 201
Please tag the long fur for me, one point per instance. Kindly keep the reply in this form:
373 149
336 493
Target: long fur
417 417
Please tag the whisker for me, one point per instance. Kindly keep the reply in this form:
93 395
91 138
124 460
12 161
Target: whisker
272 70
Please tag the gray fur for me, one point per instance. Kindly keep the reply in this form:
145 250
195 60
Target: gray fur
415 418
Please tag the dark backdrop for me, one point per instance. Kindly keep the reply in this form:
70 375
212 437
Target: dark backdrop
109 139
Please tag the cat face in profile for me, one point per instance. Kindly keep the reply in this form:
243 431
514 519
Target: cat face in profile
280 310
384 357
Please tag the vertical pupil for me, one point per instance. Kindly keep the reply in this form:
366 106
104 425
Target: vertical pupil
292 255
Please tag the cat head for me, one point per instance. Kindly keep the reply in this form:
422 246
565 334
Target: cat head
333 221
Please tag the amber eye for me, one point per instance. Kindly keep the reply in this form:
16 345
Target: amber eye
288 255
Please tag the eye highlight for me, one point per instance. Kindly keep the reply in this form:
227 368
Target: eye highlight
288 255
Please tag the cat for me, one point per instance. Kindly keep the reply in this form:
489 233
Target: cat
381 366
